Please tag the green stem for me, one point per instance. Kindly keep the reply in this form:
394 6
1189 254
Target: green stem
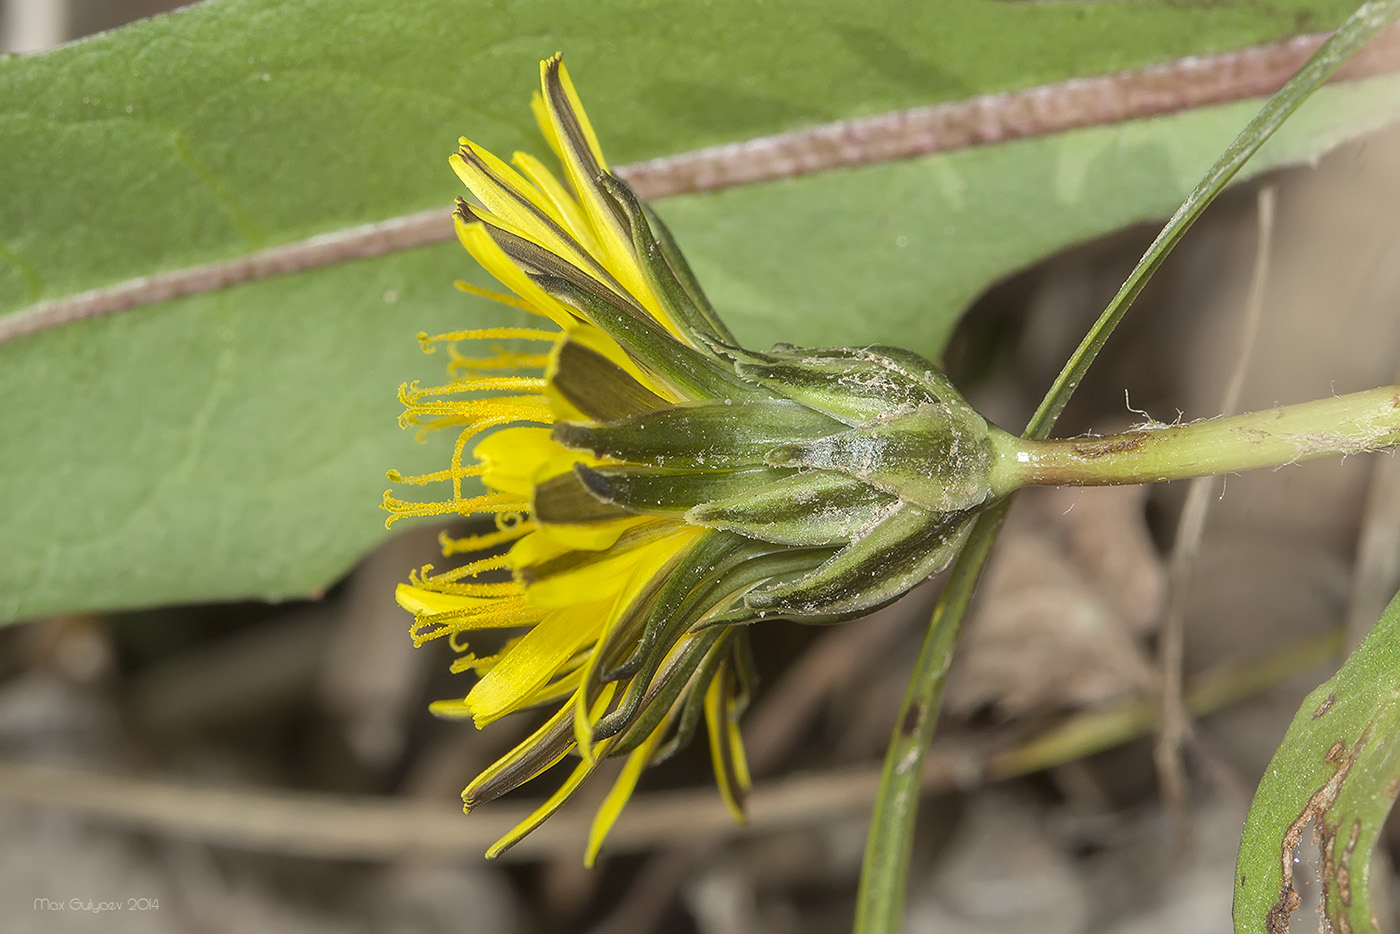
885 871
1351 424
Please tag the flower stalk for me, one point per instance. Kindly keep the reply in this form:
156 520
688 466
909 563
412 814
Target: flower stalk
1350 424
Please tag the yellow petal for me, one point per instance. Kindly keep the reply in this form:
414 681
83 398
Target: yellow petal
494 260
512 457
579 121
421 600
544 811
533 661
513 200
645 542
562 686
601 578
622 789
583 160
574 220
502 189
726 745
597 536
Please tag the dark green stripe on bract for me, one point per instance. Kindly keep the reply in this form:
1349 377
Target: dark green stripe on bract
664 265
644 713
680 268
659 491
597 387
713 575
816 507
714 436
564 500
650 627
900 552
691 373
685 593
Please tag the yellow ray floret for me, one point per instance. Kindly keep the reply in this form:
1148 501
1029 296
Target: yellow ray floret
534 660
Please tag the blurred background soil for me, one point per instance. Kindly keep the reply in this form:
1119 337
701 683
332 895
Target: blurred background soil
271 768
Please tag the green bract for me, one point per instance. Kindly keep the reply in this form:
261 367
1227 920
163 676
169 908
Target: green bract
870 451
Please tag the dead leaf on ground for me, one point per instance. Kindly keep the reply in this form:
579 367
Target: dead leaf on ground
1075 586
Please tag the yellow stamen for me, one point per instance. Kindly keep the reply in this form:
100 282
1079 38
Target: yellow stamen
489 502
422 479
449 582
468 662
476 415
499 360
465 411
410 393
456 546
474 568
493 614
483 334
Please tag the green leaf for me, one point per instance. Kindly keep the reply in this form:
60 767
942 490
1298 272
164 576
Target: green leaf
1335 775
893 253
238 124
233 444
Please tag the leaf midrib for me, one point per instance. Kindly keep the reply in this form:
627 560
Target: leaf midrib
1076 103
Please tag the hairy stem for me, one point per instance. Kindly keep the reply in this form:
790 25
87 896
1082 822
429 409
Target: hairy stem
1350 424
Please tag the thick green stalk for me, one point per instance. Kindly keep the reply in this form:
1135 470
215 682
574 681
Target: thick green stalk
1350 424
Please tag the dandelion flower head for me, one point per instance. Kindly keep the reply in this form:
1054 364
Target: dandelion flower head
655 487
